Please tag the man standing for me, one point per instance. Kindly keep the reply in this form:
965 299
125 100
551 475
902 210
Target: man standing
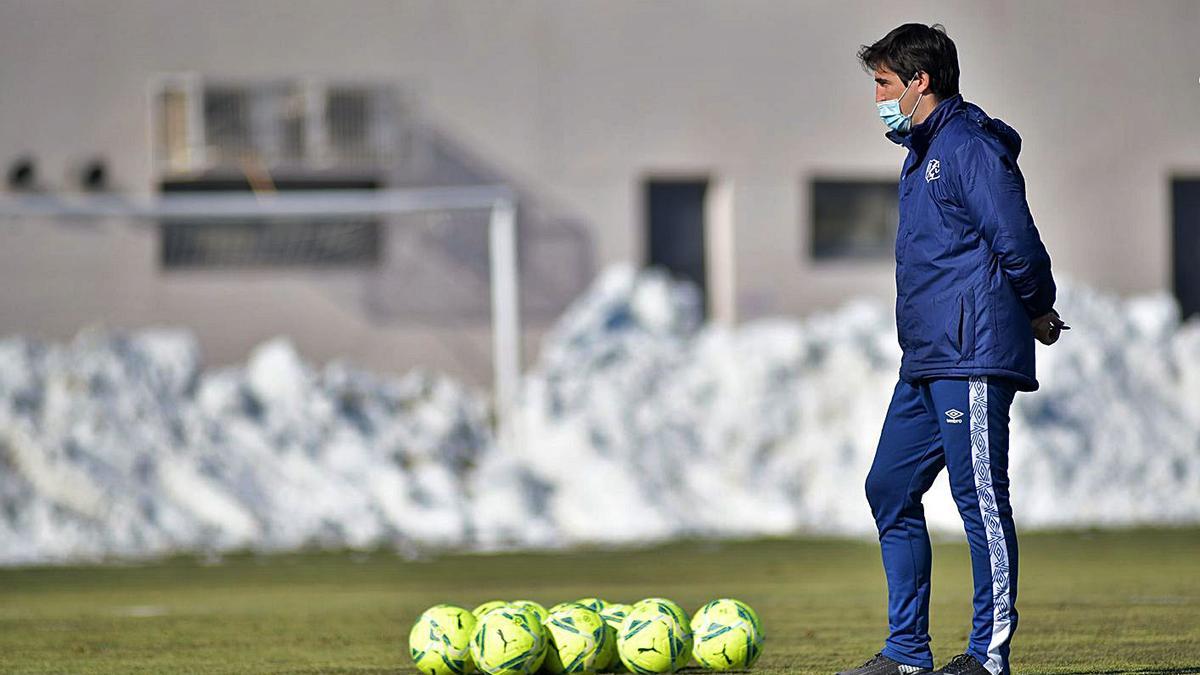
973 290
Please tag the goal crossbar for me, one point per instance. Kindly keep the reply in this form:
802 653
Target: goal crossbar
498 200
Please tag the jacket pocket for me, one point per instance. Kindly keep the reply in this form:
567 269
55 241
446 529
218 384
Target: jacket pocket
960 324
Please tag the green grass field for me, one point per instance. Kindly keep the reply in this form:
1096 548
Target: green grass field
1108 602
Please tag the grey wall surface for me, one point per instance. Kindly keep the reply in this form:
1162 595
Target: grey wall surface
577 103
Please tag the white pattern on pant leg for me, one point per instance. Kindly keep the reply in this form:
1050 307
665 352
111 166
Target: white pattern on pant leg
981 462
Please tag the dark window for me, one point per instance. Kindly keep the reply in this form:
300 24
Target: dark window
348 116
1185 245
853 218
675 228
268 241
227 128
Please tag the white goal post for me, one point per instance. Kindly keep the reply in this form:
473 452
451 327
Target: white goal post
498 200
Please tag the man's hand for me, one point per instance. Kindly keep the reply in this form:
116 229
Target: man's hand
1047 327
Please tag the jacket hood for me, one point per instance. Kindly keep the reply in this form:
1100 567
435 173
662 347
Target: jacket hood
1006 135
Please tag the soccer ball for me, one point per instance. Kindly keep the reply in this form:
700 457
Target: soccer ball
668 605
607 659
509 641
578 636
440 641
487 607
561 606
685 624
594 604
727 634
613 615
652 640
534 607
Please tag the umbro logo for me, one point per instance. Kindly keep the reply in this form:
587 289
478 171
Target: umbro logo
905 669
954 416
933 170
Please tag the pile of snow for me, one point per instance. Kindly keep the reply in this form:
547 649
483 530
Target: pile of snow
639 422
120 445
771 427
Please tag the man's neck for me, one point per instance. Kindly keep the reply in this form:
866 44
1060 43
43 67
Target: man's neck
924 108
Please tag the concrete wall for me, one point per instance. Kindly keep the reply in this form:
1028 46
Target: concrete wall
577 103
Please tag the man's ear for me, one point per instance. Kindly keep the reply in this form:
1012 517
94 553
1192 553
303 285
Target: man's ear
924 84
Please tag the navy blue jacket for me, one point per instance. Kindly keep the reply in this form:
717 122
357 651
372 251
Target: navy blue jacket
971 270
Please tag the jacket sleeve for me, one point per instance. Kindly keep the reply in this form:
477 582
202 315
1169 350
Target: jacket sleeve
993 193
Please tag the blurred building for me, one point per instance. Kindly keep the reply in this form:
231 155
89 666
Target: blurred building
734 142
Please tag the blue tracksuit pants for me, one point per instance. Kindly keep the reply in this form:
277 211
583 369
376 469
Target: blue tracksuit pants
960 424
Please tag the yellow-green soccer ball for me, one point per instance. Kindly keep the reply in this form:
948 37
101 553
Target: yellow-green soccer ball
652 640
595 604
534 607
607 660
685 623
440 641
577 638
667 604
613 615
508 641
728 635
487 607
561 606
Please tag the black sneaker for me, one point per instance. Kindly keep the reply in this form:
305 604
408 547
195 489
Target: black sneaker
882 665
963 664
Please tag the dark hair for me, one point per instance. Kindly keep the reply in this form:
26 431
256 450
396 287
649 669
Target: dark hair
913 48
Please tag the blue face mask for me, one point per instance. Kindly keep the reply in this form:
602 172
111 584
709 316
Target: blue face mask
890 113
